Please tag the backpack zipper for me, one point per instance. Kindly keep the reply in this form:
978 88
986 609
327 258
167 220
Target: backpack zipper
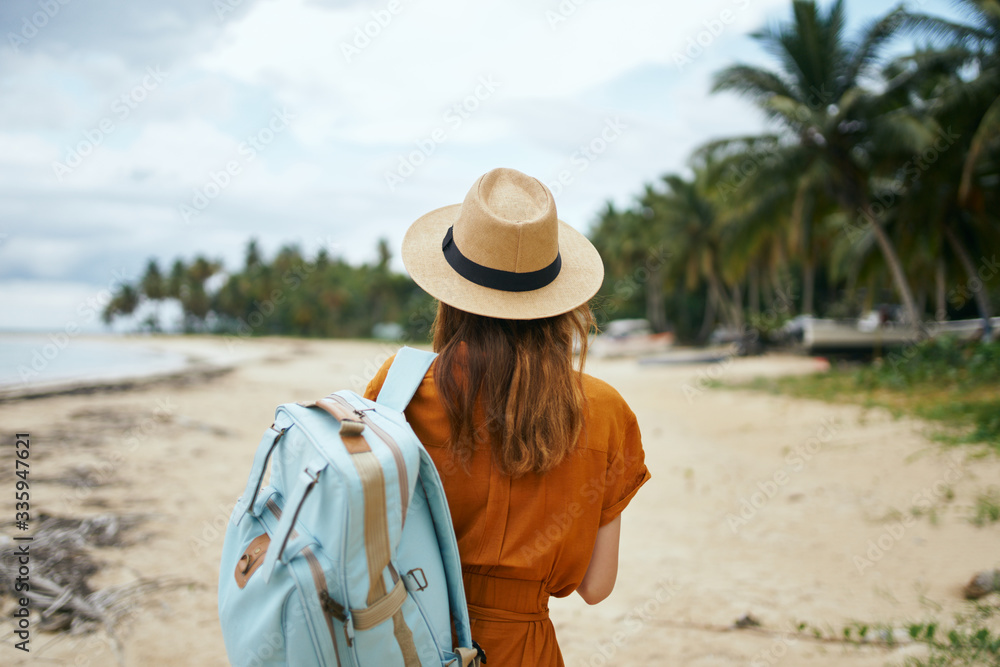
397 453
331 609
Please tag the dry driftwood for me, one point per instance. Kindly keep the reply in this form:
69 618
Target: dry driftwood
61 564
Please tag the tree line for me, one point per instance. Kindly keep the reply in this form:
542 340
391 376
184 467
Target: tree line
291 294
878 182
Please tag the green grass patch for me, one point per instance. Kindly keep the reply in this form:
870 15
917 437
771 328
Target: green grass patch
970 637
952 383
973 639
987 508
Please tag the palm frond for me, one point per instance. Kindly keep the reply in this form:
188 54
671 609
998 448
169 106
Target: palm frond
753 83
988 130
875 36
944 31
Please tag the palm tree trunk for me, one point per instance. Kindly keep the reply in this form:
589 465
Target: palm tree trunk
753 287
808 284
940 305
654 300
982 299
709 321
896 269
768 292
722 301
738 305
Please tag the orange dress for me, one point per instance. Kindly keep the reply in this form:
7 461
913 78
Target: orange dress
524 539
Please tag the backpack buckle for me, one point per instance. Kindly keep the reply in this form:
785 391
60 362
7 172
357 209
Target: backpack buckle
413 574
349 427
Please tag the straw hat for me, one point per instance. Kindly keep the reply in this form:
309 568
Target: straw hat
503 252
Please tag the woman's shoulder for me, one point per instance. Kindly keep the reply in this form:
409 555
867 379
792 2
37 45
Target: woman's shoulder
610 420
601 392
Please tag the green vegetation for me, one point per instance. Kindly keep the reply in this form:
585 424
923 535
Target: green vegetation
944 380
290 295
879 181
972 637
987 509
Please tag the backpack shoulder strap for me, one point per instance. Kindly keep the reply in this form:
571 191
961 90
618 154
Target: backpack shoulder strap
450 557
407 371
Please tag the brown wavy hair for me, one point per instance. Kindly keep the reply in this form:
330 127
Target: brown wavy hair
513 384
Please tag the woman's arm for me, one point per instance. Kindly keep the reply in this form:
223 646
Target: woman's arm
599 580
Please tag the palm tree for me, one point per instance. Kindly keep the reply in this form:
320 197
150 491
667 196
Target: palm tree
153 287
975 42
972 107
632 245
771 204
124 302
842 131
692 214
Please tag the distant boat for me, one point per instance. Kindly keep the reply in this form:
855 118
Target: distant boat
711 355
815 335
630 338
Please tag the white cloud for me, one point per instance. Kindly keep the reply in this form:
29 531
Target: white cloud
552 89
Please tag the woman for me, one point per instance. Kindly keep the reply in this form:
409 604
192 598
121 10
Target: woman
538 459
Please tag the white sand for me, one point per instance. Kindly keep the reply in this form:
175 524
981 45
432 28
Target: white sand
181 454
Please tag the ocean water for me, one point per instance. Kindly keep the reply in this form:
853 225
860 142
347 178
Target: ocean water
39 359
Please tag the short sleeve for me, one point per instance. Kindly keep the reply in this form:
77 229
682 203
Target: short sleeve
375 384
626 471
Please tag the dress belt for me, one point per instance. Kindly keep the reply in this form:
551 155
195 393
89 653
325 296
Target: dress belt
504 616
506 600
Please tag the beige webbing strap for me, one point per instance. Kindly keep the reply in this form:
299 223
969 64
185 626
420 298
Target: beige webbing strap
376 528
377 550
382 610
405 638
468 656
381 606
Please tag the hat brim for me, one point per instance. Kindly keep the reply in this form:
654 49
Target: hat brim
578 281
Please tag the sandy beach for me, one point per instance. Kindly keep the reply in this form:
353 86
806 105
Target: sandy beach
787 509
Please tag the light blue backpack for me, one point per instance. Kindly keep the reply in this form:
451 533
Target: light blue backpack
348 557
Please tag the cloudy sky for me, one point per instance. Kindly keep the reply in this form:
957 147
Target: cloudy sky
154 129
